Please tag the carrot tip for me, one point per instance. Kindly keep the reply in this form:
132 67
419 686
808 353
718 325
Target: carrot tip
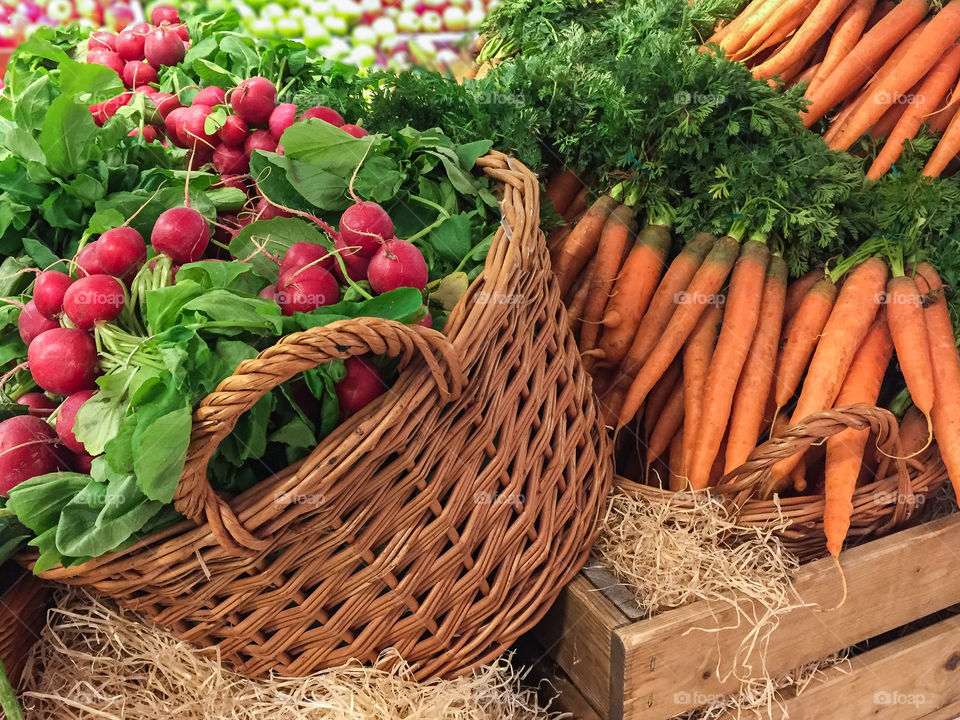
843 581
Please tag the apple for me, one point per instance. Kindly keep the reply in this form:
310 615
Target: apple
446 57
363 56
272 11
391 12
455 18
408 21
431 21
86 8
314 33
384 28
393 45
297 12
287 27
411 5
60 10
338 49
348 10
399 62
118 16
364 35
435 4
422 50
319 8
371 9
475 17
262 27
336 25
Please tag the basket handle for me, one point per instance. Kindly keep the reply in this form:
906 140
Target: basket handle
219 412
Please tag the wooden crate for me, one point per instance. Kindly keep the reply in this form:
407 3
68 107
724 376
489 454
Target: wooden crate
23 612
656 668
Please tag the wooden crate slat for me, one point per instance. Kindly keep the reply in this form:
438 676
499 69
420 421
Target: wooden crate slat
891 580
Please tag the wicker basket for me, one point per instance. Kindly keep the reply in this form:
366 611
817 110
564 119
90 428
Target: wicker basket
442 520
900 490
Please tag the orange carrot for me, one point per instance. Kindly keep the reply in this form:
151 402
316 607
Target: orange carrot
806 76
946 375
798 476
724 29
676 450
885 125
581 243
847 32
746 417
664 302
578 296
937 37
797 290
851 319
667 426
736 335
946 150
845 450
814 27
614 243
562 188
804 332
940 118
880 11
914 431
659 397
632 292
696 362
578 206
779 26
737 37
702 291
865 59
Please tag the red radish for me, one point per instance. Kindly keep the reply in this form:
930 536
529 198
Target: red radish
301 254
254 100
164 13
150 133
81 463
360 386
98 298
233 131
39 404
229 160
260 140
181 233
130 45
63 361
355 263
32 323
266 210
231 181
365 225
306 290
48 290
122 251
165 103
192 129
102 40
398 263
67 416
427 320
137 74
281 118
141 27
199 156
88 261
28 448
324 113
173 123
183 32
210 96
355 130
269 293
162 47
107 58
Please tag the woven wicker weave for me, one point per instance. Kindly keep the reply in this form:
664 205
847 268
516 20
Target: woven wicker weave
901 488
442 520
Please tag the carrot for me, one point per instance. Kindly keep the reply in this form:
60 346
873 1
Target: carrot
562 188
914 431
746 417
659 397
737 37
724 29
696 362
864 59
676 451
668 424
936 38
661 308
909 332
581 243
578 205
716 470
798 476
888 121
845 450
946 375
803 333
632 292
578 296
787 75
946 150
849 322
880 11
940 118
806 76
614 243
848 30
797 290
736 335
813 28
702 291
778 27
558 236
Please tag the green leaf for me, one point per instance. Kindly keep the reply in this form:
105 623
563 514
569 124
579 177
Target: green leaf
67 137
401 304
326 146
212 74
452 239
470 152
165 304
99 82
379 179
260 241
42 255
234 275
21 143
159 453
39 500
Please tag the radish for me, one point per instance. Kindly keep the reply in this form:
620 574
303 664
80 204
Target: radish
233 131
229 160
231 181
141 28
192 126
365 225
254 100
199 156
98 298
301 254
28 448
48 290
122 251
107 58
210 96
181 233
355 130
398 263
183 32
88 261
63 361
38 403
165 103
102 40
173 123
149 133
164 13
81 463
362 384
306 290
324 113
355 263
66 419
269 293
266 210
163 46
32 323
427 320
259 140
130 45
137 74
281 118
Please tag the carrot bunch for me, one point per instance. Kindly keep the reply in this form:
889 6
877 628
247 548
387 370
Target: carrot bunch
877 68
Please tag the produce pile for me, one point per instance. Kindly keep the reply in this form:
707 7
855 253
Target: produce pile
19 20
